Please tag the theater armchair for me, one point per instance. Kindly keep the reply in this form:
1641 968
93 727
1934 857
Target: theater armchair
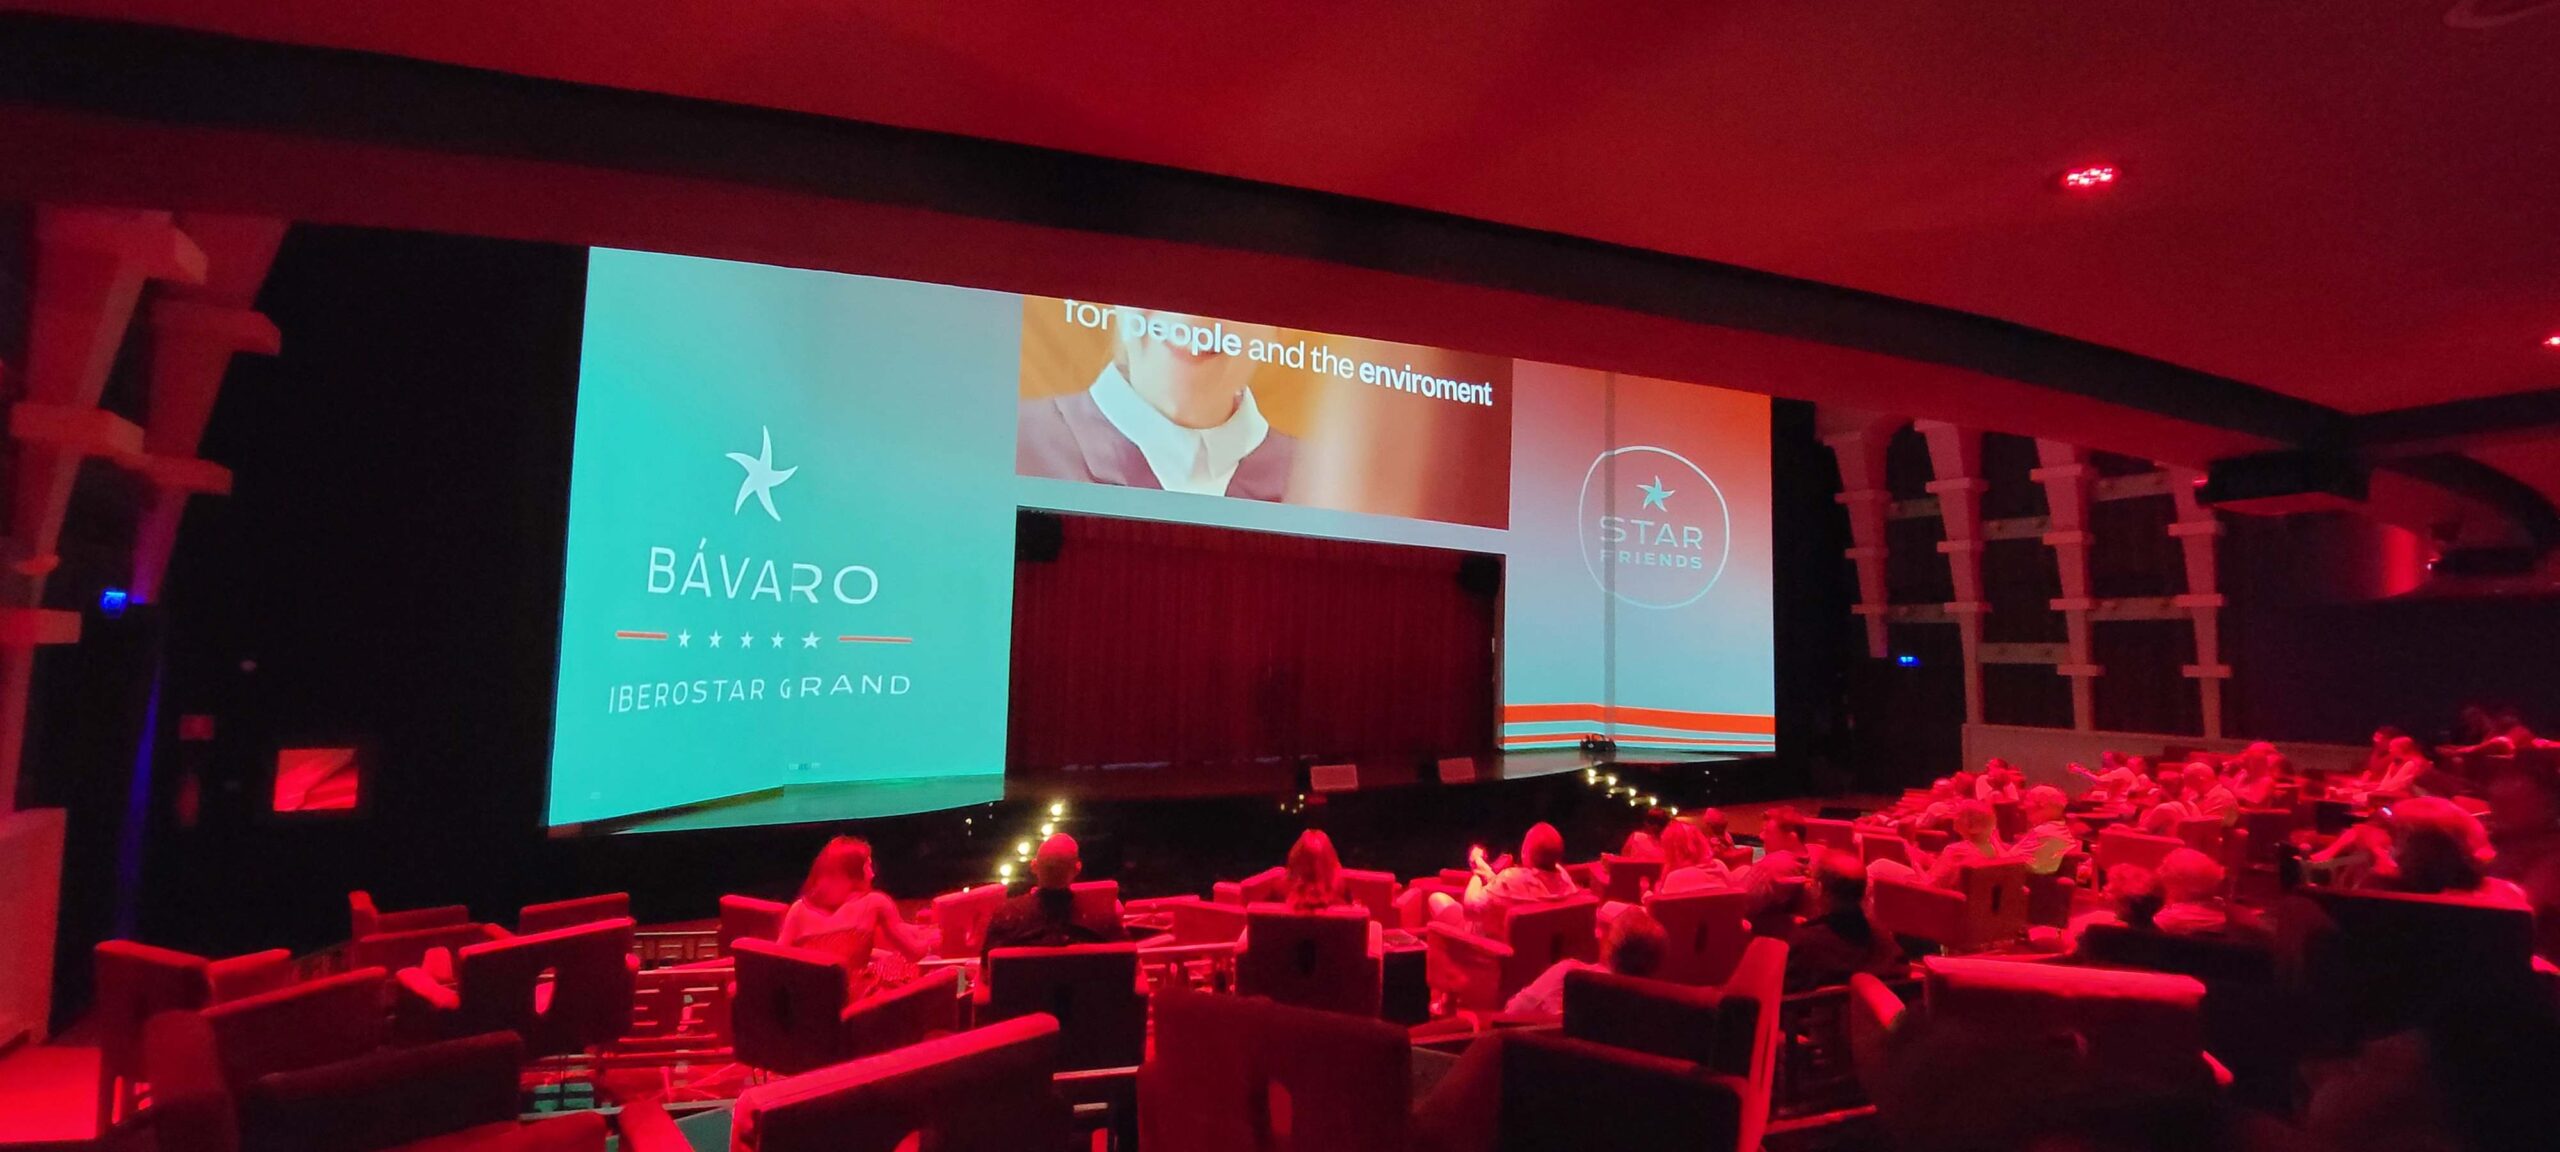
1737 857
395 940
1932 840
500 986
790 1012
305 1068
1310 959
1704 934
137 981
1987 907
1874 846
1090 990
1480 973
986 1090
1730 1029
2146 1025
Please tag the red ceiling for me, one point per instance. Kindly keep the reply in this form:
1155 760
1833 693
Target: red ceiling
2348 202
2351 203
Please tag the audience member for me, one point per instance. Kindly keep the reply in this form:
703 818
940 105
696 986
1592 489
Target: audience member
1687 866
1719 830
1536 876
1312 882
1047 916
2048 837
1634 947
2438 849
1782 857
2191 895
1837 939
2398 777
2206 795
1645 843
839 912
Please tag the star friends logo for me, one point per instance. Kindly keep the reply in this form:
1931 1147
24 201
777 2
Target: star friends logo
1667 549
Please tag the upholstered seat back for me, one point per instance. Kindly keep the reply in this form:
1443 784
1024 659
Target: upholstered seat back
2122 845
1674 1020
987 1090
1617 1099
586 1000
305 1026
1231 1072
785 1007
1629 879
1874 846
1837 835
1703 934
1541 934
1261 887
2144 1023
1310 959
1096 900
1091 990
749 918
1375 891
962 918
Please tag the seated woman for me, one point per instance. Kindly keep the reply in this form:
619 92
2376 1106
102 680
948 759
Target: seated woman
840 912
1538 876
1837 940
1314 883
1634 947
2048 837
1688 865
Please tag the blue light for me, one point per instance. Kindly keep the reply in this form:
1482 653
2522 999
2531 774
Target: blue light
112 602
1907 660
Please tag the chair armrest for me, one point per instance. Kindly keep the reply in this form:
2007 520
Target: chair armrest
415 986
1467 944
239 976
908 1014
397 950
394 1096
646 1127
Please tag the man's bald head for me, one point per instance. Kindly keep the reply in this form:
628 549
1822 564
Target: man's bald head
1057 864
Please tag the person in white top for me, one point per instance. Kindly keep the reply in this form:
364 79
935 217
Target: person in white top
1172 410
2048 838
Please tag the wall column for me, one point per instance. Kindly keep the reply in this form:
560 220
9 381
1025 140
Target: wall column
1955 458
1858 441
2196 530
2065 474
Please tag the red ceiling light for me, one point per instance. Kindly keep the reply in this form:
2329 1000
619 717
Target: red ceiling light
2088 179
2552 341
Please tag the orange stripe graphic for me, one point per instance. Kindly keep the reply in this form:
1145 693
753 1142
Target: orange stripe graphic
1651 717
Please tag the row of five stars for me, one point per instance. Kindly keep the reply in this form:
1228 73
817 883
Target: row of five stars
745 640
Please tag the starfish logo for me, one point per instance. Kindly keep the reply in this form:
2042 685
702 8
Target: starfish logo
762 478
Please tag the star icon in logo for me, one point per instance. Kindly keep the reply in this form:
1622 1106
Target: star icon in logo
1655 494
809 641
684 639
715 639
746 639
761 479
777 639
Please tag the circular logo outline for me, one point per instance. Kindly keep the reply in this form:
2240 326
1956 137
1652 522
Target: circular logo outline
1723 507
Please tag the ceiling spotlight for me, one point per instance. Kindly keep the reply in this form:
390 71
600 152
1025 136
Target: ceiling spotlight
2552 341
2089 179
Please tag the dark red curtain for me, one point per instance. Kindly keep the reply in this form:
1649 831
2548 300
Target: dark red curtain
1216 648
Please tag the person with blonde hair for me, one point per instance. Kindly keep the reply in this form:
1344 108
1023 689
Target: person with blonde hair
2048 837
1688 865
838 911
2437 849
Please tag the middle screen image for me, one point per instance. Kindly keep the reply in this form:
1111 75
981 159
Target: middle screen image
1136 398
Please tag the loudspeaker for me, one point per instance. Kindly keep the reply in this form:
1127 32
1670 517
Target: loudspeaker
1037 536
2280 483
1333 778
1480 575
1458 770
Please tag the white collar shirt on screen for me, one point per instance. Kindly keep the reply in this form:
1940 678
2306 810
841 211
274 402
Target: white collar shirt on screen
1183 459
